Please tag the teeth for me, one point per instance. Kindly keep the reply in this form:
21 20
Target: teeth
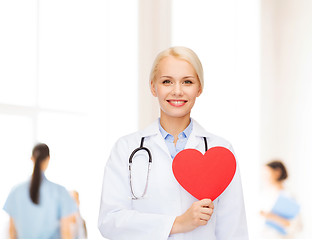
177 102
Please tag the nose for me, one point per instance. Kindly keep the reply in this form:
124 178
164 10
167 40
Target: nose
177 90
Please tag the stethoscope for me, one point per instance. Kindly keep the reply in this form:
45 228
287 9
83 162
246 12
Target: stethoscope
141 148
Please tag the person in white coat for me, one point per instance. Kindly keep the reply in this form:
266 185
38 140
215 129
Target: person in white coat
150 204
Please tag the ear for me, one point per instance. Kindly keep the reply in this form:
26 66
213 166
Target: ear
200 90
153 88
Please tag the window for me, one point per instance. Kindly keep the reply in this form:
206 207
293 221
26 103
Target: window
61 83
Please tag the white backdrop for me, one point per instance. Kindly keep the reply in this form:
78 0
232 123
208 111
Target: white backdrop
286 113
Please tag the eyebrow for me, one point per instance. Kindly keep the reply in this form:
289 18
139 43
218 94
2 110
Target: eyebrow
182 78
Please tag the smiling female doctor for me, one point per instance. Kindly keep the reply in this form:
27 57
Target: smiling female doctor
142 204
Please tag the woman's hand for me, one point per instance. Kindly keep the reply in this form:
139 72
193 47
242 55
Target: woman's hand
65 227
275 218
197 215
12 229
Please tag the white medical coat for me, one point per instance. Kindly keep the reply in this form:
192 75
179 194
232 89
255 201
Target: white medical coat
151 218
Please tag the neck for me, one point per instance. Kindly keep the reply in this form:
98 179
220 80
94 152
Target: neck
279 185
173 125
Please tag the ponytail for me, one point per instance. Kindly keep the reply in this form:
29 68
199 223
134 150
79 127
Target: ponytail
39 154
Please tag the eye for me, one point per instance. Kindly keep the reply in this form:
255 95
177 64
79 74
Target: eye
188 82
166 81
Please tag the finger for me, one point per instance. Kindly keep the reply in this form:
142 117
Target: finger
211 205
208 203
206 210
205 202
204 217
202 222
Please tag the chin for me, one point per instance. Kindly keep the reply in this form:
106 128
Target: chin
176 114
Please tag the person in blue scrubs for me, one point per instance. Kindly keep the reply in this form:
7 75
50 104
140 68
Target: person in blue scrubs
39 208
280 209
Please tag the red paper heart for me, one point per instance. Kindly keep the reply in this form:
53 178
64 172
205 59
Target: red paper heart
204 176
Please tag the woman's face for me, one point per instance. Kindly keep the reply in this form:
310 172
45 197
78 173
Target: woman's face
272 175
176 86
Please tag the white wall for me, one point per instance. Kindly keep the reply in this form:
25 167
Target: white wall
286 114
154 36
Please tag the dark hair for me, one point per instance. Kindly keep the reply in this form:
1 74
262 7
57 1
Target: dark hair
278 165
40 153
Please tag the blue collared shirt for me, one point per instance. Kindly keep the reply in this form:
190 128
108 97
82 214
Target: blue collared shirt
182 139
42 220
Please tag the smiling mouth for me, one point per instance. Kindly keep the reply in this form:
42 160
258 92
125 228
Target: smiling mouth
177 103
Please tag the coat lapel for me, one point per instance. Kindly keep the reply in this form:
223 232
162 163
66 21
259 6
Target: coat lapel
153 132
196 138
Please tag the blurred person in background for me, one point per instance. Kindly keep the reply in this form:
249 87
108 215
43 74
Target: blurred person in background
78 225
39 208
280 209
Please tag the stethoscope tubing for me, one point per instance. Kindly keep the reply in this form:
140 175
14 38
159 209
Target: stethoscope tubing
142 148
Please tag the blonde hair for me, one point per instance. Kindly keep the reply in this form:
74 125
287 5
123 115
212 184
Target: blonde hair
183 53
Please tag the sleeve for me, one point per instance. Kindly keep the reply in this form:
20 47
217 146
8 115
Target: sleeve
67 205
10 204
117 220
231 217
